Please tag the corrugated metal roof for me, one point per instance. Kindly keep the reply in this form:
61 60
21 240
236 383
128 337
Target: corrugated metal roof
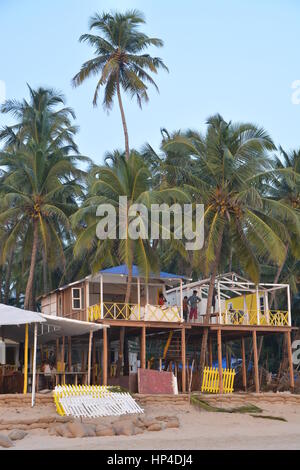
122 270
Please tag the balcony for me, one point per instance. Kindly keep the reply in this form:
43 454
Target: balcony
254 317
134 312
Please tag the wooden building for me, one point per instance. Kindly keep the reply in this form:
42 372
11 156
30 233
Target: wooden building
241 311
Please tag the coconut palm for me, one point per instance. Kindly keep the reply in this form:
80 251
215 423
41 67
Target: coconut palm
285 189
39 182
120 60
130 178
231 161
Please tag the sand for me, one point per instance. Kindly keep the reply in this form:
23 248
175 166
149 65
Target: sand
198 430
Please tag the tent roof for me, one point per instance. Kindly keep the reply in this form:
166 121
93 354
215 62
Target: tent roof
50 328
56 327
122 270
16 316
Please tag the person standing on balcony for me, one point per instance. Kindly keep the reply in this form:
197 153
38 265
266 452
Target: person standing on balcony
185 308
161 300
193 301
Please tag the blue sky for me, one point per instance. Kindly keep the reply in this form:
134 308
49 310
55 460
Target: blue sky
235 57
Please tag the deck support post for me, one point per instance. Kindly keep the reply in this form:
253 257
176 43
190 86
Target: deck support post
90 357
290 359
62 359
25 360
210 347
257 307
87 301
34 366
181 301
69 353
57 352
101 297
139 297
219 304
104 357
94 361
267 311
183 360
143 348
219 337
255 357
244 373
289 305
147 301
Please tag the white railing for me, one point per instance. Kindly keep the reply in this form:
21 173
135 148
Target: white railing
122 311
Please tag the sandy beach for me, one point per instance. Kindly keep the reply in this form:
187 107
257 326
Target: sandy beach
198 429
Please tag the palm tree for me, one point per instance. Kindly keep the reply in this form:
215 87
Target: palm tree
231 161
119 59
39 183
130 178
285 189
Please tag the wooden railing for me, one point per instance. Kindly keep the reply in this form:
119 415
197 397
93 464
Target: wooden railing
252 317
122 311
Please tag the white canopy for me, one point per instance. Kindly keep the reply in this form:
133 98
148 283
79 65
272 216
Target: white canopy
50 328
43 329
56 327
16 316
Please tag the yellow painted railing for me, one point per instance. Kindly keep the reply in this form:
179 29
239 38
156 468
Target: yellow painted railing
271 317
114 311
122 311
210 382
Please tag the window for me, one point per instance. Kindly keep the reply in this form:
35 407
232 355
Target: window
76 299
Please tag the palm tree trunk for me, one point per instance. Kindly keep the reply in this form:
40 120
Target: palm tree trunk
1 280
209 302
8 277
45 280
277 276
123 119
29 286
122 329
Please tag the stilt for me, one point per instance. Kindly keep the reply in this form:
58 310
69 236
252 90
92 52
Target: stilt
183 360
25 360
57 353
89 357
220 360
62 360
34 366
94 361
108 353
104 357
255 358
289 352
69 354
210 347
244 372
143 348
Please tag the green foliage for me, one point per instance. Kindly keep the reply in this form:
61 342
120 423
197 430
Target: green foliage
120 57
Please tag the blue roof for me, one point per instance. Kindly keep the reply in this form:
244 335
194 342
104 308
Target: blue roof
123 270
